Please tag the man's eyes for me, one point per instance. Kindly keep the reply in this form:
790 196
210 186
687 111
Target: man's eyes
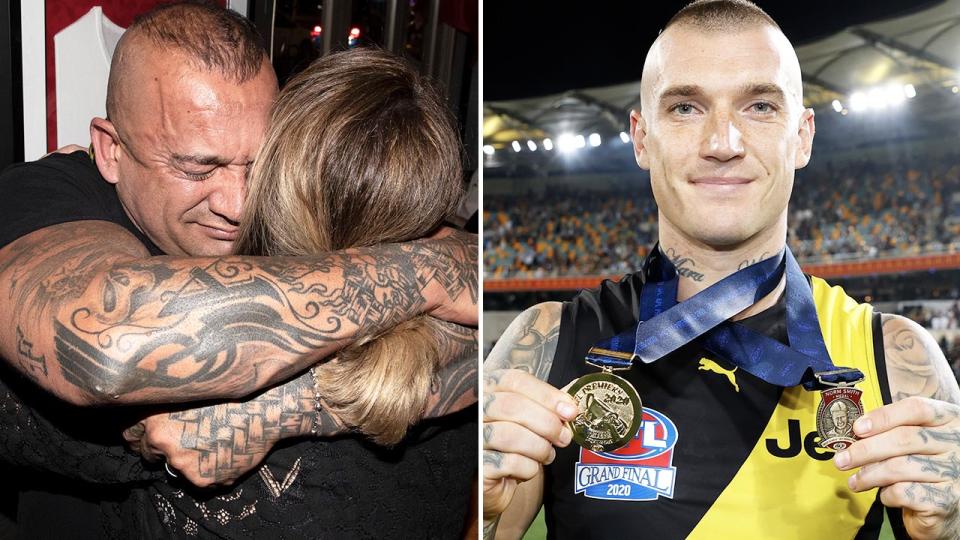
683 108
199 175
760 107
763 107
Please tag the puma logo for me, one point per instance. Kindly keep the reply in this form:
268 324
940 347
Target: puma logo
709 365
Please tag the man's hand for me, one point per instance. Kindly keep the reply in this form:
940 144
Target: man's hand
217 444
911 451
455 271
523 419
202 454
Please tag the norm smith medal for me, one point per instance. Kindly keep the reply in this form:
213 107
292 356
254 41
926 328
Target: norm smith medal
839 409
610 411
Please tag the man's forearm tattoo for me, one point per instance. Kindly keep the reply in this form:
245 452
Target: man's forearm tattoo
169 329
455 385
231 438
35 366
460 276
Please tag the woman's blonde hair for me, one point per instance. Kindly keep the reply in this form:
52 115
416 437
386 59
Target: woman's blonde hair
361 150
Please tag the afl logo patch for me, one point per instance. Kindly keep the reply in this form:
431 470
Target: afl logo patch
640 471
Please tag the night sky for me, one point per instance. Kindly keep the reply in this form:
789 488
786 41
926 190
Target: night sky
537 47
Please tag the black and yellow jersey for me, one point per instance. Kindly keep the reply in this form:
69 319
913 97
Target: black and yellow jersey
721 454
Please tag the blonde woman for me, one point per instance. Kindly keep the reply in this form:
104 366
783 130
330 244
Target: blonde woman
361 151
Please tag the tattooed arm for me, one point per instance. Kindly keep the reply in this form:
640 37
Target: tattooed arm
455 386
217 444
94 320
915 364
911 448
523 418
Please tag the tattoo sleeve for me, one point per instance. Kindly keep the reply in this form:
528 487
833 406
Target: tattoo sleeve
529 343
915 364
455 386
94 320
231 438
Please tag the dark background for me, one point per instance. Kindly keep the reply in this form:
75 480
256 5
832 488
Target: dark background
574 45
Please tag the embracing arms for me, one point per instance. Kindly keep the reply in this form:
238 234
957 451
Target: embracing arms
218 443
90 317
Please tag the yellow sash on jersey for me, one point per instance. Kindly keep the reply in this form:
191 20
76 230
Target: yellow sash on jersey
802 497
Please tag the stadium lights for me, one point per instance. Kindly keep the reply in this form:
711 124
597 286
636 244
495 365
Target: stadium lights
595 140
837 106
488 150
532 146
878 98
567 142
858 101
516 146
547 144
579 141
895 94
624 137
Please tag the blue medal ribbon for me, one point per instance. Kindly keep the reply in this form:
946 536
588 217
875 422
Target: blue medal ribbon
666 325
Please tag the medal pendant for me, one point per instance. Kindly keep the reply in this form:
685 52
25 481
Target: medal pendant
839 409
610 411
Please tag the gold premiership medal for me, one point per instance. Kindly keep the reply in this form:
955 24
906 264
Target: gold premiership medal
610 411
839 408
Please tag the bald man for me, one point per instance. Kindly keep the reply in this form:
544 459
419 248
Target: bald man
94 316
721 128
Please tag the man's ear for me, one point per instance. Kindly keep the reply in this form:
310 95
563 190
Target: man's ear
638 132
806 131
106 148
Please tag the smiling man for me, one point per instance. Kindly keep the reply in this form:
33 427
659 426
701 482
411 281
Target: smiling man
721 128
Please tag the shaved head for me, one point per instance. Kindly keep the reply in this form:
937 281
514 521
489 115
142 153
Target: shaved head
208 37
714 17
721 15
188 103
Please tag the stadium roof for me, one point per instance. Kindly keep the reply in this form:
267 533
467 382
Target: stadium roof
858 68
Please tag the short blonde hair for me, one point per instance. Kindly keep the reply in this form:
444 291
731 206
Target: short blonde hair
721 15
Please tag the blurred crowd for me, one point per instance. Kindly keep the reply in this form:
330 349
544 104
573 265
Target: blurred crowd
857 211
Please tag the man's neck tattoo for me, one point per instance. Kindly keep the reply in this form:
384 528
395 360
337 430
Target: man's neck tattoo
684 265
751 262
